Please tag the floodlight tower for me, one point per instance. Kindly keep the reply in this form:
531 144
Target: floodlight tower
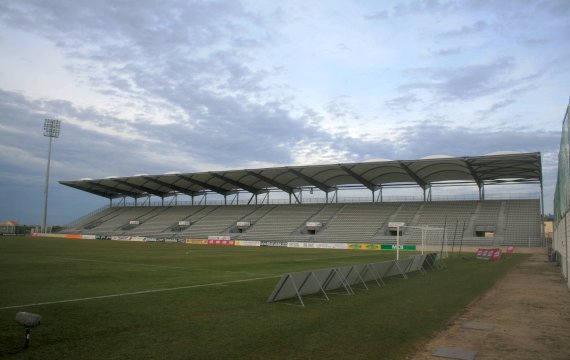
51 130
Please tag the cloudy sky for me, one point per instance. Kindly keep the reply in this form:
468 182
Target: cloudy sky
159 86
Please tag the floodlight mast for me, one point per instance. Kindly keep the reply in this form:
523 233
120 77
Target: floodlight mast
51 130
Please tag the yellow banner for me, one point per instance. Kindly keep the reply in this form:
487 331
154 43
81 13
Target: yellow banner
197 241
364 247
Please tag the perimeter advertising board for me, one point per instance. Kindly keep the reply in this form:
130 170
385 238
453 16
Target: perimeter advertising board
273 243
365 246
489 254
310 245
247 243
197 241
221 242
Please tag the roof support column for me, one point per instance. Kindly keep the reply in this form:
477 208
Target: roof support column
297 200
427 193
375 197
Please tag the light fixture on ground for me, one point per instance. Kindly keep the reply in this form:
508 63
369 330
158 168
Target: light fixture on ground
51 130
28 320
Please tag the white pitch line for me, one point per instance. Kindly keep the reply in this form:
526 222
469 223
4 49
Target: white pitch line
137 293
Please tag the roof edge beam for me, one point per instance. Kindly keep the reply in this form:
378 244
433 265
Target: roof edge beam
277 184
119 192
173 187
245 187
476 176
141 188
371 186
310 180
104 194
216 189
413 175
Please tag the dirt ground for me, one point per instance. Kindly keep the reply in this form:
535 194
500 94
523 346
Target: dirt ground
526 315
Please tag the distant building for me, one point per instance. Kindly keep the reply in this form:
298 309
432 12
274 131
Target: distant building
11 228
548 228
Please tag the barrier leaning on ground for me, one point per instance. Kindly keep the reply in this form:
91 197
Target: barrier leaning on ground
323 281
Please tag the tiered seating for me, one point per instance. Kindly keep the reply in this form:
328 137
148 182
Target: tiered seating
326 213
94 218
514 222
118 219
446 212
453 214
406 213
162 223
357 222
217 221
281 222
523 223
489 213
488 218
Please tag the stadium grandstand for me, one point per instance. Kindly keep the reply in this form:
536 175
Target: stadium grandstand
236 204
559 251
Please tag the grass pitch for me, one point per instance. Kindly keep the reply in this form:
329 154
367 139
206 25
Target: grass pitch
117 300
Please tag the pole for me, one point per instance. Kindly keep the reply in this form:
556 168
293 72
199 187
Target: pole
27 344
398 242
462 233
44 216
423 240
443 239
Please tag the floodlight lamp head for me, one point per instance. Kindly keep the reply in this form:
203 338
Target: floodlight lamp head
51 128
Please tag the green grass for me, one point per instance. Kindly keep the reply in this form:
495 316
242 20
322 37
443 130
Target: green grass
228 321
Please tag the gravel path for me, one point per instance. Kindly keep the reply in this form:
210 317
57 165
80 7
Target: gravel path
526 315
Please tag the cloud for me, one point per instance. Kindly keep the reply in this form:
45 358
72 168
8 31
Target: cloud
445 51
496 106
427 137
402 103
471 81
410 8
477 27
431 137
197 86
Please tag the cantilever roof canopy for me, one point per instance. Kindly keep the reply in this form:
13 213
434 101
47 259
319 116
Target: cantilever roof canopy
479 170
